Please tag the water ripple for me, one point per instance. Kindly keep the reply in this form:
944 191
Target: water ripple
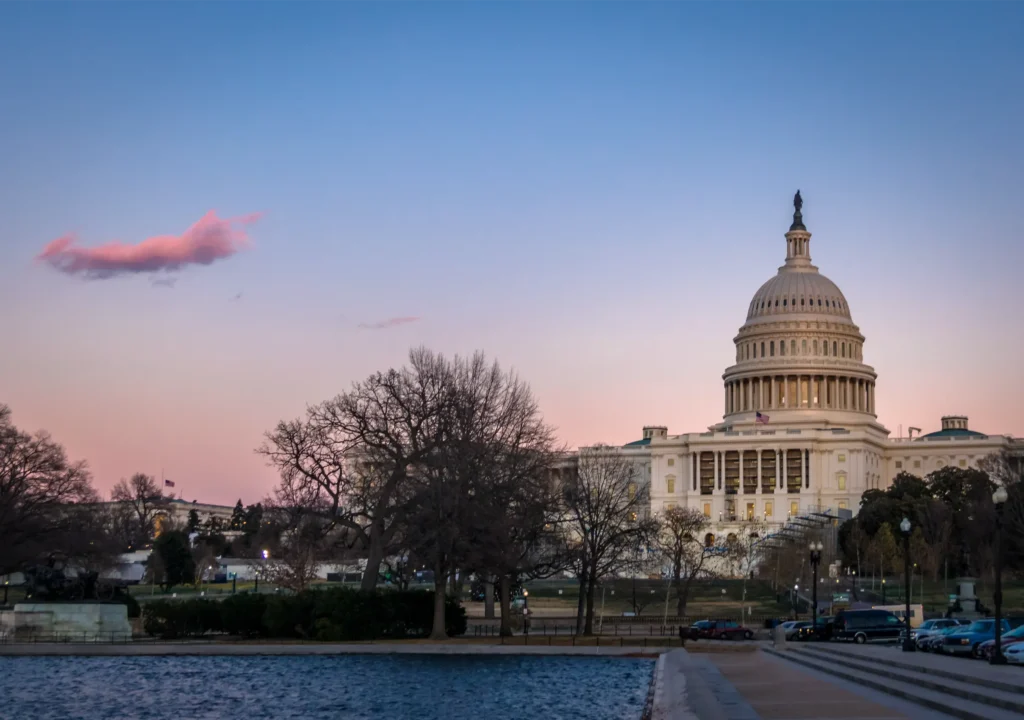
346 687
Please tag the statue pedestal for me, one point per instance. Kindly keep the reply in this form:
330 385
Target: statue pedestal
69 622
967 599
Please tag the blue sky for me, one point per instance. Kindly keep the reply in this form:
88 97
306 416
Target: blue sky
590 192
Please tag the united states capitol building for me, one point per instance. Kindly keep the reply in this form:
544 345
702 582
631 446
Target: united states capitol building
799 435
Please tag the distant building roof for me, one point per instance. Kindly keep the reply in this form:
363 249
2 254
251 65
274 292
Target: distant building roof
638 443
953 432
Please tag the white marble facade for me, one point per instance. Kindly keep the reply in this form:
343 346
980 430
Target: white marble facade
799 432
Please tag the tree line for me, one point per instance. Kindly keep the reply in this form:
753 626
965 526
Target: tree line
953 520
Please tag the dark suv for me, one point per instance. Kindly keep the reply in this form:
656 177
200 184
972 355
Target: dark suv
720 629
863 626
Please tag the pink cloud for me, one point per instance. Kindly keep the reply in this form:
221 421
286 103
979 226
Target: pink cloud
388 323
207 241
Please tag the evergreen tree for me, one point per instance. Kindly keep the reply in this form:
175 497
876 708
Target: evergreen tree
193 521
253 519
175 559
237 516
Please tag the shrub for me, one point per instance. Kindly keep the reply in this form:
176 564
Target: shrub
134 609
243 614
171 619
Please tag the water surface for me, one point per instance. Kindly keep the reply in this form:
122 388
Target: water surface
345 687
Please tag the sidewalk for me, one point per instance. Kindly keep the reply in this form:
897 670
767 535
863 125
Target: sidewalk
778 690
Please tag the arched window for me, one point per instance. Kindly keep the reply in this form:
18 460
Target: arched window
815 347
709 540
803 347
835 351
792 347
731 538
842 349
762 348
773 348
782 347
824 347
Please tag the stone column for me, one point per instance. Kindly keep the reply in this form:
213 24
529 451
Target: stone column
758 471
740 490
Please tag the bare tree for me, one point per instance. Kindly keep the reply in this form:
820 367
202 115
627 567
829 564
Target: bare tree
606 510
39 489
746 549
682 541
348 462
142 500
295 563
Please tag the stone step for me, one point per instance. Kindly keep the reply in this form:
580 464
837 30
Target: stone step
910 691
1009 687
959 686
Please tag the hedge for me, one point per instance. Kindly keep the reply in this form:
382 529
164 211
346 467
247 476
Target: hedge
335 614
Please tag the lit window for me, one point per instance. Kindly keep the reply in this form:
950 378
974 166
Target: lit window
794 508
707 510
670 484
842 457
768 508
631 490
899 464
842 481
842 504
963 463
671 462
750 511
670 506
917 463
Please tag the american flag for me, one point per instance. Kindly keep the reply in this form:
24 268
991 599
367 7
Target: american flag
168 483
761 418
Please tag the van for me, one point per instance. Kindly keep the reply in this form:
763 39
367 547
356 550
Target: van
863 626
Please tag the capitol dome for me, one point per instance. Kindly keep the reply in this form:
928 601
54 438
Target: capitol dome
799 353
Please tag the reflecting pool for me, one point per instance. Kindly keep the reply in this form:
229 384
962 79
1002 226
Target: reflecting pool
348 687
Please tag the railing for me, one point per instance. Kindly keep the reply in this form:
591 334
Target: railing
30 636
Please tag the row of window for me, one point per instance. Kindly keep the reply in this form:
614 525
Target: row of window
805 303
938 463
749 351
751 514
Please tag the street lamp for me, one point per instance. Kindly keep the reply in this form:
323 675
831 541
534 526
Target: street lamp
883 591
816 548
999 499
796 601
908 643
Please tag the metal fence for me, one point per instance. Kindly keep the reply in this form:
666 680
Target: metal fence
30 636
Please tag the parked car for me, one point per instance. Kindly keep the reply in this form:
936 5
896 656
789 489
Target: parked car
967 641
933 642
1015 654
1011 638
791 626
720 630
863 626
822 630
930 627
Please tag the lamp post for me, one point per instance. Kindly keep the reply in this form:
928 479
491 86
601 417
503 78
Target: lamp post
908 643
816 548
796 601
999 499
883 591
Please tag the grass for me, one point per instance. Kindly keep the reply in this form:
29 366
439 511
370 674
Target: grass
935 594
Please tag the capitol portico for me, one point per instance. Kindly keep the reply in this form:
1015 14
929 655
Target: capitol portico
799 433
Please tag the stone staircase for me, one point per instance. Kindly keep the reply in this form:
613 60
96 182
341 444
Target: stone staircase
965 689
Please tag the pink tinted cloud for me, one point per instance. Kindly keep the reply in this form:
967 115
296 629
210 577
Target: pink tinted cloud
207 241
388 323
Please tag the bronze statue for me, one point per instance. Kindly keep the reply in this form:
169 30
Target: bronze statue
798 202
49 582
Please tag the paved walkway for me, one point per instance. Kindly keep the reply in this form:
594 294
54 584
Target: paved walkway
777 690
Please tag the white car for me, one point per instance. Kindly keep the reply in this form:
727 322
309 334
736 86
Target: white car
791 626
1014 654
